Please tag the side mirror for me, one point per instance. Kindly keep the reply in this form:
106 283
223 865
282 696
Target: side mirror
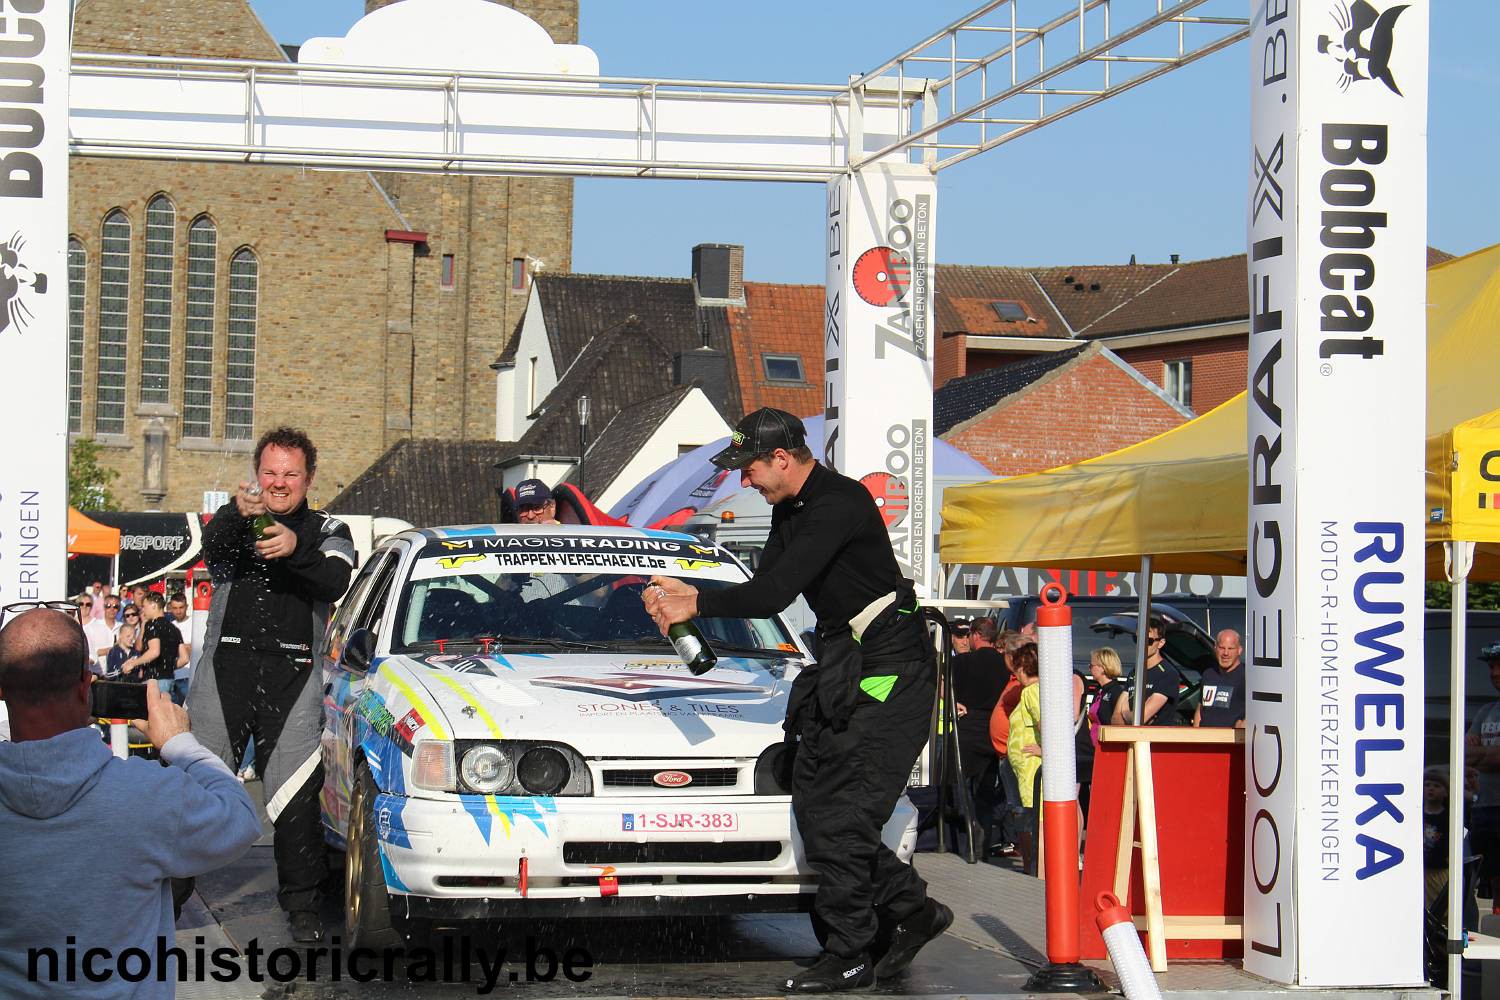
359 650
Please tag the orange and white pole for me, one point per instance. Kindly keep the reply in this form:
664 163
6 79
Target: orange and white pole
1054 632
1125 952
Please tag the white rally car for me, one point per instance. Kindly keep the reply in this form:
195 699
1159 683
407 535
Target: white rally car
506 732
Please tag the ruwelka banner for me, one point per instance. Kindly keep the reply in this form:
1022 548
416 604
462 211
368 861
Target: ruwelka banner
877 344
1337 282
34 57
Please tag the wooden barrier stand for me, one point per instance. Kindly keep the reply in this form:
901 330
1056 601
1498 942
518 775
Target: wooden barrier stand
1195 900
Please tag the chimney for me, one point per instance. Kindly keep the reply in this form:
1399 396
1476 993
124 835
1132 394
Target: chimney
719 274
709 368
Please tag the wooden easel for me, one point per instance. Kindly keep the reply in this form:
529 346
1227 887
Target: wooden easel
1139 810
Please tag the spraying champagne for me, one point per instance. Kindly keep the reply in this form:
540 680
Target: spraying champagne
264 520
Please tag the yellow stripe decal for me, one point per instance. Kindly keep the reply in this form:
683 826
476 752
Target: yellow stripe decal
495 809
494 728
479 710
429 715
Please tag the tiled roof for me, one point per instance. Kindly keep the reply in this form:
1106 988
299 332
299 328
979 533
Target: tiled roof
578 307
1436 256
621 366
430 482
624 436
784 320
962 398
965 297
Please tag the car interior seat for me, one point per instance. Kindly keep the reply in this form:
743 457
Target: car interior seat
624 616
450 614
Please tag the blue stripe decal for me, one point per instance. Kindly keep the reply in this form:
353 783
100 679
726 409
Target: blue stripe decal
388 822
476 807
392 880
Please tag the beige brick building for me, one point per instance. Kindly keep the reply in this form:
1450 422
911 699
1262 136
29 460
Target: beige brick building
211 302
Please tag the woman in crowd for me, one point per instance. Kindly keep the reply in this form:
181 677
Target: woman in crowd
1105 668
1024 750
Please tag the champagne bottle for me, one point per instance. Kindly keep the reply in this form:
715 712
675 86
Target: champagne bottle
688 639
263 521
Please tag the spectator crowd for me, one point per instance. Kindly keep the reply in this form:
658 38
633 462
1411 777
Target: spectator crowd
1000 733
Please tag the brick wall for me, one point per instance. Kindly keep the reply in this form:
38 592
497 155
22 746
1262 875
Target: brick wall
1219 367
357 341
321 313
949 359
219 29
1083 409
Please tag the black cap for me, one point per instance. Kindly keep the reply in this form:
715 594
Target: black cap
532 493
764 430
1490 653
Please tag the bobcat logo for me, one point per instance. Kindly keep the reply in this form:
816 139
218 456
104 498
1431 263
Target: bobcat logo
1363 49
17 283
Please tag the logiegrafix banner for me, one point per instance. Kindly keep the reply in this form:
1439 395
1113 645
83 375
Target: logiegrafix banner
1337 232
878 347
34 57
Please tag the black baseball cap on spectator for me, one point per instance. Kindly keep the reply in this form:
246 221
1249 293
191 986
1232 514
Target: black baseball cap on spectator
532 493
1490 653
760 432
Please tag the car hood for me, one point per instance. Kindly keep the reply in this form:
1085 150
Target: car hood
602 705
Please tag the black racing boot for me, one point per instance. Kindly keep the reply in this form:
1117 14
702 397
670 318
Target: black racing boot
910 935
834 972
307 926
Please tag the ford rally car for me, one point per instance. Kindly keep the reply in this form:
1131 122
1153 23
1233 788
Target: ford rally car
506 732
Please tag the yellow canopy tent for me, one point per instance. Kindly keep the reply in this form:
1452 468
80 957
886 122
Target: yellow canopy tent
1181 496
1180 499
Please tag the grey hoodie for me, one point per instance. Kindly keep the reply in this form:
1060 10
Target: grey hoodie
88 843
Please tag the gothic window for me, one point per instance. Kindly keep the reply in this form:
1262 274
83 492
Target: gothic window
198 356
77 271
239 382
156 316
114 309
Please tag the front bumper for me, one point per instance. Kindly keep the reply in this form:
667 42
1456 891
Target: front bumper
462 855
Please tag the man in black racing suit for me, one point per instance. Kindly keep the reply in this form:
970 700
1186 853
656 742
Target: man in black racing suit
257 675
859 717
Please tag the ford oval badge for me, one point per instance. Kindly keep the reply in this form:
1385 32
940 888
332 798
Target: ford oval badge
672 779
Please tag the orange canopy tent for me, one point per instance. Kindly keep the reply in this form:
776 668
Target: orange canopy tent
90 538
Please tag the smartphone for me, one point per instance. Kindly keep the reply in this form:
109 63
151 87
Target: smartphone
117 700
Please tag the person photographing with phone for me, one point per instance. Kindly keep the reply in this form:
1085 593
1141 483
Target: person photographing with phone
858 718
60 786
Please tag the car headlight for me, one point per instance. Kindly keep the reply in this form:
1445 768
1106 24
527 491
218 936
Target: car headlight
486 769
543 770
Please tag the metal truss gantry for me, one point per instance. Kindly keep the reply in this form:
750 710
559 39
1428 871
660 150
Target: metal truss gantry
1004 70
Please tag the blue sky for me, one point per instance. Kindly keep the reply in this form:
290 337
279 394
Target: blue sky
1155 171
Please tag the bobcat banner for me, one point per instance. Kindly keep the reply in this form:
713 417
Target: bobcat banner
877 343
1337 282
34 62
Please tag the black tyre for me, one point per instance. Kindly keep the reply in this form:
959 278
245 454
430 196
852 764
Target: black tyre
368 918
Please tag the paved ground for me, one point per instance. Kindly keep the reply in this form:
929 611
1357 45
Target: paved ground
994 945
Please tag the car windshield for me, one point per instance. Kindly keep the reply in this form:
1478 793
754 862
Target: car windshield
451 599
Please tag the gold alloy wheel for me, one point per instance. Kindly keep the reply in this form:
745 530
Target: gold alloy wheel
354 860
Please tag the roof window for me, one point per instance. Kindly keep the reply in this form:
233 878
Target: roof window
1010 312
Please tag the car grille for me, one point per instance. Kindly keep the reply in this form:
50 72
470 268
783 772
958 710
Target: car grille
603 852
644 777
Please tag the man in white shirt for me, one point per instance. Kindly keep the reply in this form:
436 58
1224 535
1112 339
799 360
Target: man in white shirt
99 631
177 611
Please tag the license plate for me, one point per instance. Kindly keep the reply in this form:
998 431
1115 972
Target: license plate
668 821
